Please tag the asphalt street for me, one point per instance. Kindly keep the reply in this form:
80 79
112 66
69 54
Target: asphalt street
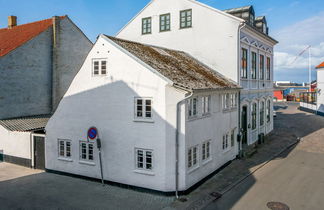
295 179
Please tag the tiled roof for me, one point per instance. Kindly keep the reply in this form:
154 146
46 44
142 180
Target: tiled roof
239 9
25 123
12 38
179 67
320 66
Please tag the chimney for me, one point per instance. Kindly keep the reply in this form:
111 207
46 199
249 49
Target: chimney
12 21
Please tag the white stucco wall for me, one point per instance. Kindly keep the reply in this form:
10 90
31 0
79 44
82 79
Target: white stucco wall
210 127
108 103
213 38
320 86
15 144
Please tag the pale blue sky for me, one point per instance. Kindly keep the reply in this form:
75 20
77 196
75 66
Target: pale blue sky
108 16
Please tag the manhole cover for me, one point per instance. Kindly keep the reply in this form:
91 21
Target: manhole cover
277 206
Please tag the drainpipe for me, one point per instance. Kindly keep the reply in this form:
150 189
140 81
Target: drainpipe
177 141
238 79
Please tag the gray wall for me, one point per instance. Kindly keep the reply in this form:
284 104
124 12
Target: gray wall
26 73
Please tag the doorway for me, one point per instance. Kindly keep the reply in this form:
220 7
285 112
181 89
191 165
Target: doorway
244 125
39 152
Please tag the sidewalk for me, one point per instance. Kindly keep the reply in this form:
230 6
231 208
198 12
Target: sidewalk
278 141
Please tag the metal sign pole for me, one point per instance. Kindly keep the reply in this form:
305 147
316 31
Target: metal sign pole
100 159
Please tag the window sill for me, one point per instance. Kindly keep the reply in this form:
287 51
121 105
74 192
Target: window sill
149 173
87 163
65 159
144 120
194 168
227 150
230 109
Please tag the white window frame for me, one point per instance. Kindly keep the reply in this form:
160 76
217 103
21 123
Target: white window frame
145 159
65 148
100 61
206 151
87 154
205 105
192 107
145 108
193 157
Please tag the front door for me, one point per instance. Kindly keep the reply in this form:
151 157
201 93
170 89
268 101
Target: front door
244 125
39 152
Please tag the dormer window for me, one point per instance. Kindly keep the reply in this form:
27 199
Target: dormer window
264 28
251 19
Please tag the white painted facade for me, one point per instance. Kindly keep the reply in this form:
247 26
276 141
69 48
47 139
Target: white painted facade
107 102
215 38
320 93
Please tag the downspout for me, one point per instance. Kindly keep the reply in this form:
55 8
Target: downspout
238 79
177 141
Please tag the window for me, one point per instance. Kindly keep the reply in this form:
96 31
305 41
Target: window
229 101
64 148
254 116
192 107
144 159
186 18
205 148
205 100
262 113
193 157
251 19
244 63
264 28
233 138
143 108
147 25
233 100
262 67
268 110
165 22
268 69
225 141
86 151
99 67
254 65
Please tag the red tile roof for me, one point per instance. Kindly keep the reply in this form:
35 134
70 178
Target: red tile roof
320 66
12 38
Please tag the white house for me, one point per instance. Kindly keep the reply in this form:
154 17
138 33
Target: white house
320 89
151 106
38 62
314 101
234 42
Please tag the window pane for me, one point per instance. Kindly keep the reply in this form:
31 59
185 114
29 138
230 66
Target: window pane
90 151
208 150
68 149
140 159
83 151
96 67
189 158
103 67
148 160
61 148
194 156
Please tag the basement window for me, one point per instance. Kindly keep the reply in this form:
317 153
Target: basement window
99 67
86 151
144 159
64 148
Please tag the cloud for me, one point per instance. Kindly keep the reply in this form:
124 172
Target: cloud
295 38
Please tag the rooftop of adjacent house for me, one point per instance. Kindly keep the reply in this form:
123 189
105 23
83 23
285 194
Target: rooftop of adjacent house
179 67
15 35
320 66
239 9
25 124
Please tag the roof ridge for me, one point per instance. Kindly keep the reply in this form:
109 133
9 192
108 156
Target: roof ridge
38 21
148 45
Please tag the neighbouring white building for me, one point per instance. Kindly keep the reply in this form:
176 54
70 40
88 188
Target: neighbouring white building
314 101
234 42
151 106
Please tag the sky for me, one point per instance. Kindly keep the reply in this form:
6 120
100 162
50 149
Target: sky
296 24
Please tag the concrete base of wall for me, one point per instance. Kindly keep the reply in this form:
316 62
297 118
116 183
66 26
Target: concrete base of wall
140 189
17 160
